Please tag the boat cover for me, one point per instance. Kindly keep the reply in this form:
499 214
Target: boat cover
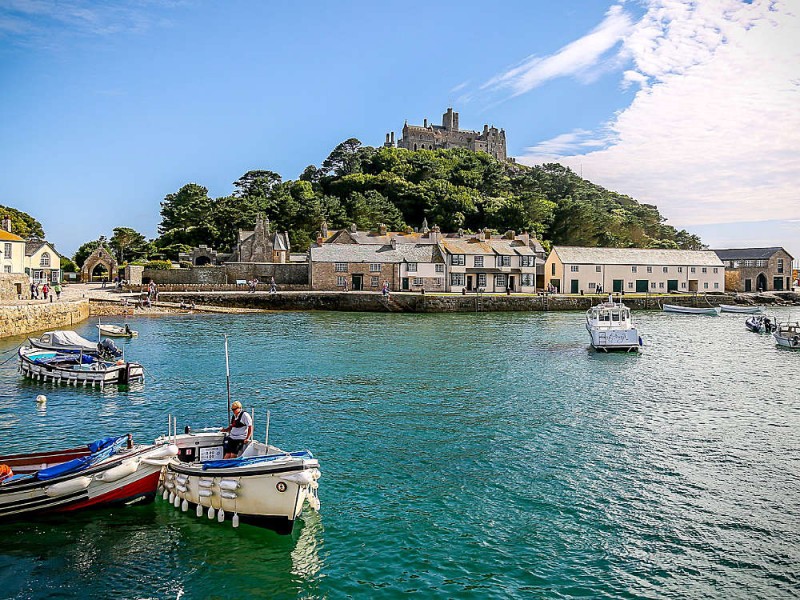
230 463
100 450
70 338
86 359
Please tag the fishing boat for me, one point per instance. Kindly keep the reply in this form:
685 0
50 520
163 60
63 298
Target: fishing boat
787 335
69 342
761 324
690 310
117 330
112 470
610 327
76 369
742 309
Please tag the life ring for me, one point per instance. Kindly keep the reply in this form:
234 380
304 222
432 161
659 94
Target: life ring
281 486
5 472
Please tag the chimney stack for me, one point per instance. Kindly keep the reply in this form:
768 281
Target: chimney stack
392 139
425 123
394 243
7 223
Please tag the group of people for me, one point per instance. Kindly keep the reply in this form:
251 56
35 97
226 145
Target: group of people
253 284
46 291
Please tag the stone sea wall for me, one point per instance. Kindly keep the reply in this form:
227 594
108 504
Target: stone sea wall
26 318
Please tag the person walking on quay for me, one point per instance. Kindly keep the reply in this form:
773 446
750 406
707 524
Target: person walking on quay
385 290
36 291
57 290
33 291
45 290
272 287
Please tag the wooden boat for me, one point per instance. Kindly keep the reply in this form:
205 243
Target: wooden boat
787 335
761 324
69 342
76 369
741 309
610 327
117 330
690 310
105 472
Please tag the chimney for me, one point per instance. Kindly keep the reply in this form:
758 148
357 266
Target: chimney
324 231
320 239
425 123
510 234
353 228
392 139
394 243
7 223
481 235
436 233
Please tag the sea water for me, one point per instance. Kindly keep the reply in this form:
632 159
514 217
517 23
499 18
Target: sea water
469 455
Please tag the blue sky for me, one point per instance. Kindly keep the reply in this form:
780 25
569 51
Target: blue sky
109 106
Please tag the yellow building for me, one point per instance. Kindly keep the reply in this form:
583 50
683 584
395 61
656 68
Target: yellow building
12 247
42 262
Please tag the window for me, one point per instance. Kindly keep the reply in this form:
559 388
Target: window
716 269
705 285
340 267
761 263
341 281
749 263
500 280
634 269
780 265
649 269
653 285
412 267
482 280
692 269
716 286
375 267
7 268
680 269
527 261
458 260
440 267
553 269
503 261
661 285
591 285
417 280
665 269
597 269
456 278
528 279
44 261
630 285
704 269
7 251
477 261
574 268
373 281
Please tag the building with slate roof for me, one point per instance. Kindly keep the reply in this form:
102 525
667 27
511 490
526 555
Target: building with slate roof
575 270
261 246
42 262
757 269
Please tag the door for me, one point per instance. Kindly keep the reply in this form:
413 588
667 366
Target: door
405 284
358 283
511 282
642 285
672 285
777 284
556 283
573 286
616 285
748 285
693 285
469 283
761 283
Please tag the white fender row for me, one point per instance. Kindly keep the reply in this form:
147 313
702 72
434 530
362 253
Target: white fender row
68 487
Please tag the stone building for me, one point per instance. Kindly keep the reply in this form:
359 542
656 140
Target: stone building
448 135
261 246
99 264
757 269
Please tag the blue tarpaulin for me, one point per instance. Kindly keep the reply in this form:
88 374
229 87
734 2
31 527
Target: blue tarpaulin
229 463
100 450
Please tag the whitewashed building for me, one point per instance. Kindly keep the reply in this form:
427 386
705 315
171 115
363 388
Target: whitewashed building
490 265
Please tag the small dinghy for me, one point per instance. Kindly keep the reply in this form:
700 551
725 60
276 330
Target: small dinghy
610 327
689 310
760 324
787 335
741 309
76 369
105 472
69 342
117 330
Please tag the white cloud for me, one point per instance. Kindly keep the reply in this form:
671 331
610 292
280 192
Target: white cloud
713 134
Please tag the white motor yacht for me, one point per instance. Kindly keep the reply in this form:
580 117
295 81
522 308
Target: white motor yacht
610 327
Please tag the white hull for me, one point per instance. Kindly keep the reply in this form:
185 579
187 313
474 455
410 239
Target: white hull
626 340
788 335
688 310
611 328
742 310
116 331
94 374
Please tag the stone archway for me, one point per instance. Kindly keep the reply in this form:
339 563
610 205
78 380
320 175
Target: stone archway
202 261
100 257
761 283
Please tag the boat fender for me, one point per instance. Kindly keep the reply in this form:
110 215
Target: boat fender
184 505
164 451
235 520
281 486
205 493
171 497
229 495
169 485
221 515
182 479
177 502
41 399
302 478
161 462
207 483
181 488
166 495
199 510
228 484
68 487
313 485
116 473
211 512
313 502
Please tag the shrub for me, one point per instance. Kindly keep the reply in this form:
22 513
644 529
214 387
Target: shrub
158 265
185 264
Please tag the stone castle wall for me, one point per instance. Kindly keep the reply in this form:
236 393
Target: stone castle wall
286 274
26 318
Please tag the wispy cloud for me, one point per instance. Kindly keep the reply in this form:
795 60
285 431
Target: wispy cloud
580 58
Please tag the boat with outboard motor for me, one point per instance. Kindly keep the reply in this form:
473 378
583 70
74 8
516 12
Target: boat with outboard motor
109 330
742 309
109 471
787 335
610 327
691 310
69 342
265 486
76 369
761 324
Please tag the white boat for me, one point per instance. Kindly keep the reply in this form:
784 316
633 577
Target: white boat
76 369
72 343
761 324
741 309
689 310
265 486
105 472
787 335
610 327
116 330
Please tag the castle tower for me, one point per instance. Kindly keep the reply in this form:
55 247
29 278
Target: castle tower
450 120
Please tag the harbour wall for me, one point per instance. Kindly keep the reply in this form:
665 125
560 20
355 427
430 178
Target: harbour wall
17 319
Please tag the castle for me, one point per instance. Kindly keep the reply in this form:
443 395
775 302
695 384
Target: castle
447 135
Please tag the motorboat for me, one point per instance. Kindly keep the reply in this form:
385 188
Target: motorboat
742 309
76 369
265 486
691 310
610 327
109 471
110 330
787 335
69 342
761 324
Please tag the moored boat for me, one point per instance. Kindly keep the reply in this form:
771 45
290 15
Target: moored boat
761 324
610 327
69 342
690 310
76 369
105 472
787 335
741 309
110 330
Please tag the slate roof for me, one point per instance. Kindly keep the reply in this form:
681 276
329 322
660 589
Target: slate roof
748 253
475 246
636 256
376 253
33 246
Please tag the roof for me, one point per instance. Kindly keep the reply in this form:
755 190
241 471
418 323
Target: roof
476 246
375 253
636 256
33 246
748 253
9 237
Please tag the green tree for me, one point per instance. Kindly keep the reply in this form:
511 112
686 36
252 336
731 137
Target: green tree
256 184
22 224
187 215
129 244
83 252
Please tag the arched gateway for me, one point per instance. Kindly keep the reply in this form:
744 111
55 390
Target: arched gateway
98 261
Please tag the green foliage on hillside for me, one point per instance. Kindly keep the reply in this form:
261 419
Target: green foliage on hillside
22 224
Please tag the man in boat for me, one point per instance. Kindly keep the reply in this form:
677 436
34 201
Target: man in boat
240 431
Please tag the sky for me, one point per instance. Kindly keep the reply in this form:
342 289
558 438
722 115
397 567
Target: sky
107 107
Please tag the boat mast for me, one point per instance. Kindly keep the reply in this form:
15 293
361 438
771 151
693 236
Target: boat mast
227 378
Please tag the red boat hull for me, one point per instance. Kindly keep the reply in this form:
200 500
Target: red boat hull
140 488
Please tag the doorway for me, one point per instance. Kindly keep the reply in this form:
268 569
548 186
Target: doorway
672 285
358 283
573 286
761 283
405 284
469 283
642 285
748 285
616 286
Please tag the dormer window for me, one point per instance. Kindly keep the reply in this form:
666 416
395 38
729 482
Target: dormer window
44 261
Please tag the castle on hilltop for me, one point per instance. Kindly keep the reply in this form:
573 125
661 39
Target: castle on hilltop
447 135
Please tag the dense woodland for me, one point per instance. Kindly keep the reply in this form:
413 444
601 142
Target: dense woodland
455 189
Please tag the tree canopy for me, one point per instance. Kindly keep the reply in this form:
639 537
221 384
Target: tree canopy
22 224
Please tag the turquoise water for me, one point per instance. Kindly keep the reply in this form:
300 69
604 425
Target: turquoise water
485 456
